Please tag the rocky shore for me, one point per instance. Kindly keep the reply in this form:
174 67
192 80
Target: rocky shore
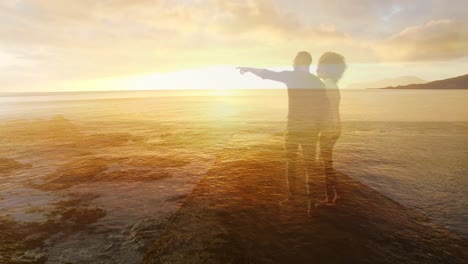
233 216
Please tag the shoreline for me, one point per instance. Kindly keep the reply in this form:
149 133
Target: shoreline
233 216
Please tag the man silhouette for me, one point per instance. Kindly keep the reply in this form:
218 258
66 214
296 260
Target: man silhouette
307 110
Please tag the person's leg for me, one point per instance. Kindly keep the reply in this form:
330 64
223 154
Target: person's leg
327 143
291 148
309 149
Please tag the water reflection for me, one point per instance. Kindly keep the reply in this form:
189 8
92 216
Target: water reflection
120 180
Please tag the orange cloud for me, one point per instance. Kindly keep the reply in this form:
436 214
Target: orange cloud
55 40
87 39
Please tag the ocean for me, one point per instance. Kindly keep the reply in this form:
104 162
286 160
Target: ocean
96 175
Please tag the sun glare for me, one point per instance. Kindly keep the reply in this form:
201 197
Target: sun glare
216 81
203 79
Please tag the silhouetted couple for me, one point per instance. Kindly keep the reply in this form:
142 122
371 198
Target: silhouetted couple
313 119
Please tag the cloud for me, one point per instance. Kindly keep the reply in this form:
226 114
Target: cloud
91 23
261 16
54 40
72 40
432 41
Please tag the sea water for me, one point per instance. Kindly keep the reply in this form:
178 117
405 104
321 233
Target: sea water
410 145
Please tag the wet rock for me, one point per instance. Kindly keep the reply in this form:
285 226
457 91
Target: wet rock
58 128
82 215
142 233
9 165
61 126
157 161
91 169
134 175
233 216
17 241
34 241
27 242
104 140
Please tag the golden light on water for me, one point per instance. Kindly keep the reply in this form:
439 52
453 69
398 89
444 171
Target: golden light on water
213 131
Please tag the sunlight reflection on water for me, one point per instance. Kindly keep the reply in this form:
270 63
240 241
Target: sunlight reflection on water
408 145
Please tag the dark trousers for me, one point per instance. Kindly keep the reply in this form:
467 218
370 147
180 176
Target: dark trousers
327 140
306 138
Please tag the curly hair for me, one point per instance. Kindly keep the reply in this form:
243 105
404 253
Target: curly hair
331 65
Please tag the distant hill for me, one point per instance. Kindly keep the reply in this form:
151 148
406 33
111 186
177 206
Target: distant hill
460 82
402 80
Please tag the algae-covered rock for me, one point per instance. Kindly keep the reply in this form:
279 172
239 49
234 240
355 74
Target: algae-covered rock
91 169
9 165
25 242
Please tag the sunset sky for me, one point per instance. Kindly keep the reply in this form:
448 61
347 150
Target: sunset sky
66 45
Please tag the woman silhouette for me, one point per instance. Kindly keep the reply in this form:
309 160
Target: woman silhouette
330 69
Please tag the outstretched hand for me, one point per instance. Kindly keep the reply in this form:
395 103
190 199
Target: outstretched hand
243 70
